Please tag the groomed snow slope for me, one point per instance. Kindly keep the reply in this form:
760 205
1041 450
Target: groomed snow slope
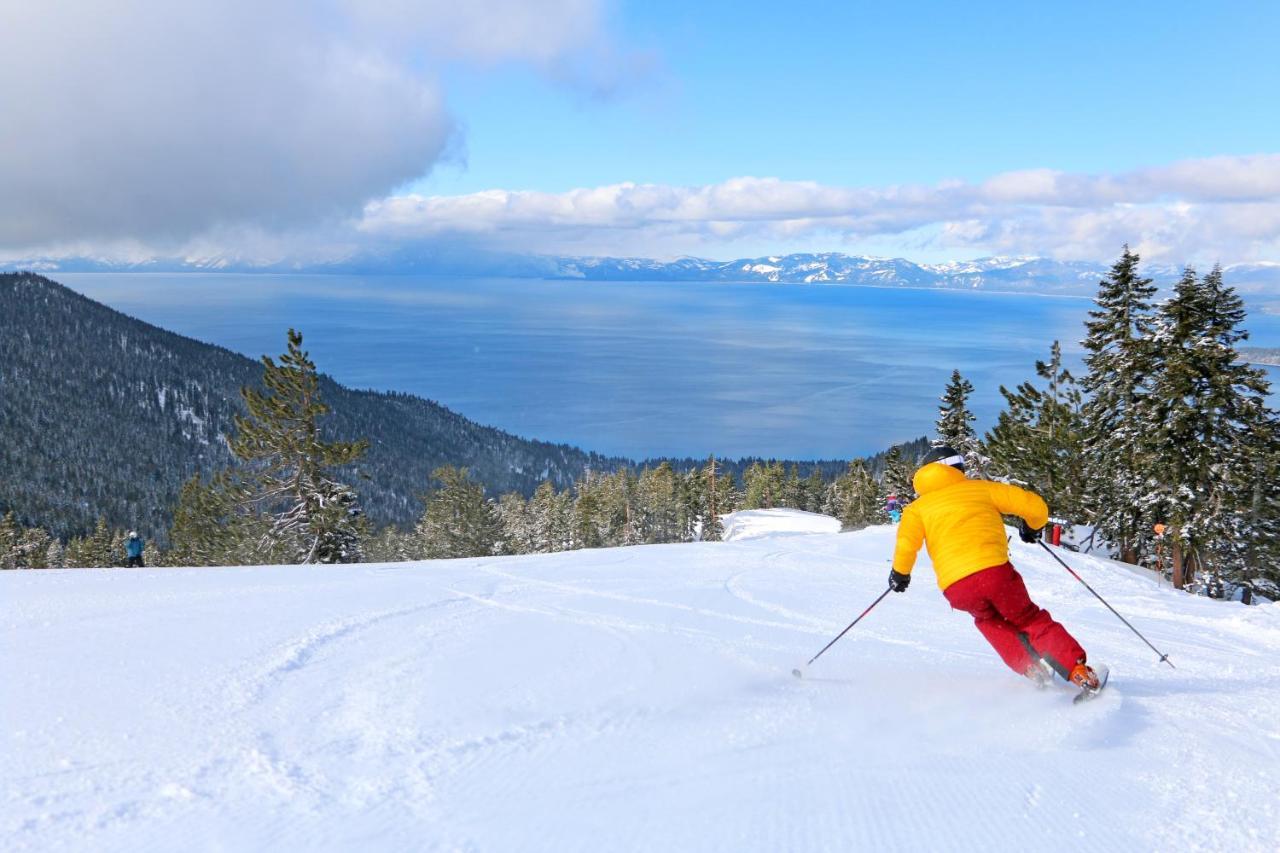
630 699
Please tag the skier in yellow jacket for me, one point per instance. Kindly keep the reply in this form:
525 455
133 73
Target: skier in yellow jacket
959 520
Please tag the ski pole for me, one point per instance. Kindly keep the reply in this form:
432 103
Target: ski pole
798 674
1061 562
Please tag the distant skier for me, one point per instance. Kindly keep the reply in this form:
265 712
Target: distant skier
894 508
133 550
959 520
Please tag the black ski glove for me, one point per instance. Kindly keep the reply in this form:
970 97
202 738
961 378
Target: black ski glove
1027 533
898 582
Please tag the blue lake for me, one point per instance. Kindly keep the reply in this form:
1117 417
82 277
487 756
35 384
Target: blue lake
638 368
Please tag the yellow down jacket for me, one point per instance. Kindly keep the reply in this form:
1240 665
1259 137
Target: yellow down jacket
959 520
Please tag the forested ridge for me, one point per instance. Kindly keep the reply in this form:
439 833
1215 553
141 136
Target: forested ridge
105 416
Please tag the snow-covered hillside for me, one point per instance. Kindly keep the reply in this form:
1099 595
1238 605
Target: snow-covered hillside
630 699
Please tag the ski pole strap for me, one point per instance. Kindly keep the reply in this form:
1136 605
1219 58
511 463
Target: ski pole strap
1164 658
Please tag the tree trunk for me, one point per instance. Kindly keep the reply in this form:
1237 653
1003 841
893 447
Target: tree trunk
1179 581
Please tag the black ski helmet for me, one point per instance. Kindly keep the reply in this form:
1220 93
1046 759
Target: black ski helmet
946 455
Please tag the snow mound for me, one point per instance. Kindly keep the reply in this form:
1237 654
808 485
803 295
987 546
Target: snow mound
621 699
758 523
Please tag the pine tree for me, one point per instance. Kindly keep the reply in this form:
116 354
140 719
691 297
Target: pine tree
1115 443
764 486
659 516
814 489
551 522
712 529
896 480
955 424
854 498
1037 439
389 545
589 510
95 550
54 556
1208 423
210 526
458 521
9 537
315 518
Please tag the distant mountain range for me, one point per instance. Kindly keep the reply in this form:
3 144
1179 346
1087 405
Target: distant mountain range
1018 274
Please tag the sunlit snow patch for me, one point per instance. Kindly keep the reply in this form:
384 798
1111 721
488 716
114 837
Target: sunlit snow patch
758 523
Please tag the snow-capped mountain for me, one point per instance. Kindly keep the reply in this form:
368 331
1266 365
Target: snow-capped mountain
1018 274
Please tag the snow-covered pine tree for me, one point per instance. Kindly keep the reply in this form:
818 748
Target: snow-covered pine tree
814 489
53 555
1115 436
658 504
589 510
896 480
764 485
458 520
854 498
389 545
1207 416
94 551
955 424
712 530
315 518
551 520
10 536
1037 439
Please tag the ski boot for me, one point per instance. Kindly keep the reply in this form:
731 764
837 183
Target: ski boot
1040 673
1085 678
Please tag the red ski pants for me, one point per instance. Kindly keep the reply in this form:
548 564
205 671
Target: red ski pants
1012 623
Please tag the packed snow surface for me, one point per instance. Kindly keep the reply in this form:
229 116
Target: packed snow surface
755 523
629 699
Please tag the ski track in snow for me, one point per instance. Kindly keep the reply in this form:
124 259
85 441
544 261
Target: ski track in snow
627 699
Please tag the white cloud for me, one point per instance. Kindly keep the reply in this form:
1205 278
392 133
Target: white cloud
1221 207
161 121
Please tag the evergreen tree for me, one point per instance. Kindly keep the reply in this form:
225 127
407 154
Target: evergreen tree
518 536
551 520
1037 439
764 486
97 550
1119 364
854 498
955 424
658 505
315 518
814 489
54 556
712 527
10 532
589 510
458 521
1210 428
22 547
896 480
389 545
211 528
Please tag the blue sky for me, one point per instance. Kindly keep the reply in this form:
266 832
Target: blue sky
871 94
304 131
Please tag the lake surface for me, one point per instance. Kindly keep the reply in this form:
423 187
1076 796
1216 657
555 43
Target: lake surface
638 368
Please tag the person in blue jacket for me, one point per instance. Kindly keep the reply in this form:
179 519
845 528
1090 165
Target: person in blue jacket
133 550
